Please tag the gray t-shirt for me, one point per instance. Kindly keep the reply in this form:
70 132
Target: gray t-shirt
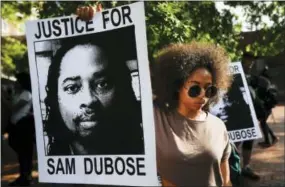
189 153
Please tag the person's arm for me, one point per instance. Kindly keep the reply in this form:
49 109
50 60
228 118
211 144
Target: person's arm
225 170
19 105
24 99
224 166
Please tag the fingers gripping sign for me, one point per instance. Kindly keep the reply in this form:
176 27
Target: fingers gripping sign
115 17
86 13
99 7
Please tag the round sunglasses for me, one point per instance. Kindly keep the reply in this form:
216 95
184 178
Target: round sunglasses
195 91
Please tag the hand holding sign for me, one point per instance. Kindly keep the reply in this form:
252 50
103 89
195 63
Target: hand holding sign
115 17
87 12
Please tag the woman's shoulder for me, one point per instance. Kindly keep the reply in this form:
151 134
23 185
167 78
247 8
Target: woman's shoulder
160 107
157 109
215 120
161 111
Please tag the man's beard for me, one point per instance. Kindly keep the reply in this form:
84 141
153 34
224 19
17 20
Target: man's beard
102 138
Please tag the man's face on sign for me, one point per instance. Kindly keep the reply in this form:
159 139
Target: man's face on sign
220 108
242 90
85 90
136 84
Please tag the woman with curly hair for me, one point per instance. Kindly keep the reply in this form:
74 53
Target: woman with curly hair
192 145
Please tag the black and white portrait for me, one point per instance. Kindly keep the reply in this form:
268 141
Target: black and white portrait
233 108
91 104
92 98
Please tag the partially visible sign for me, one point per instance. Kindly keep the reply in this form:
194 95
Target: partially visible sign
236 109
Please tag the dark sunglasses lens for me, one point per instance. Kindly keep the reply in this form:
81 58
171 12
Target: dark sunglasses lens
194 91
211 91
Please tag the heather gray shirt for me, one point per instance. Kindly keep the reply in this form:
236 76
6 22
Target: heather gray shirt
189 153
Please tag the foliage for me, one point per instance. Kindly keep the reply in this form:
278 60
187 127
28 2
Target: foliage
12 51
48 9
170 22
272 39
177 21
16 11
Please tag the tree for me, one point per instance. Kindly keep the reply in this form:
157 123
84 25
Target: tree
168 22
16 11
12 48
269 41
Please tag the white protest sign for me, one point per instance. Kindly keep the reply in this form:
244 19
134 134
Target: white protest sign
90 126
236 108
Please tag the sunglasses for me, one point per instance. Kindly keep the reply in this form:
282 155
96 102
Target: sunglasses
195 91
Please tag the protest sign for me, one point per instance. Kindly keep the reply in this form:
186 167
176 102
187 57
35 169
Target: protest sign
236 109
92 125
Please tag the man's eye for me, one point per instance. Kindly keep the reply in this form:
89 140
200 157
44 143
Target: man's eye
103 84
71 89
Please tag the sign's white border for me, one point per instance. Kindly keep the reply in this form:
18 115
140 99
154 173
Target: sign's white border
256 128
150 179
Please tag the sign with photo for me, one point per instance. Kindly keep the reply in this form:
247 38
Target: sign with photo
93 123
236 109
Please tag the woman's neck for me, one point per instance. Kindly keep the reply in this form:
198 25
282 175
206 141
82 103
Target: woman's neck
192 114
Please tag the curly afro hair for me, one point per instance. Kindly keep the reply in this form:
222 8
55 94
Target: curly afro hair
175 63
